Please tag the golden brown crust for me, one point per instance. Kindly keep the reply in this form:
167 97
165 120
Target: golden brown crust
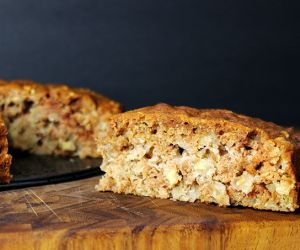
174 115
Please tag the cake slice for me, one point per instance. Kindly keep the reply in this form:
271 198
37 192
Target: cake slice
54 119
5 158
211 156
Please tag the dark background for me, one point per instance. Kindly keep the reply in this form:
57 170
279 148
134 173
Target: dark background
240 55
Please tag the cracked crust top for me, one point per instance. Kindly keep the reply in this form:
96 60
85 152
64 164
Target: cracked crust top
172 115
64 93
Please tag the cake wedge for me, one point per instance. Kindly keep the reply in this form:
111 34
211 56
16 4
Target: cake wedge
211 156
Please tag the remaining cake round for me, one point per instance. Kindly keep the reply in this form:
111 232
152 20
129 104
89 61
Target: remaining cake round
214 156
54 119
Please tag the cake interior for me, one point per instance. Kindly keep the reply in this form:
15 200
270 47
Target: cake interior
199 162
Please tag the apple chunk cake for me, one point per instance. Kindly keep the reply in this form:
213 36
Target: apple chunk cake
211 156
54 119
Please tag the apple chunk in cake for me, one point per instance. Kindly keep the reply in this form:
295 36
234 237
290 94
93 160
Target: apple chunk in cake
211 156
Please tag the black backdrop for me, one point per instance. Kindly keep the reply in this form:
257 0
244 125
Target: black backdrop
230 54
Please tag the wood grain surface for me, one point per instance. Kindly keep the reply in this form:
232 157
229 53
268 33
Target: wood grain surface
74 216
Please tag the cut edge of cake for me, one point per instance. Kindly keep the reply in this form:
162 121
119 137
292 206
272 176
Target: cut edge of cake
5 157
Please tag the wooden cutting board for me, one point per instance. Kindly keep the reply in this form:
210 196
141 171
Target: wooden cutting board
74 216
